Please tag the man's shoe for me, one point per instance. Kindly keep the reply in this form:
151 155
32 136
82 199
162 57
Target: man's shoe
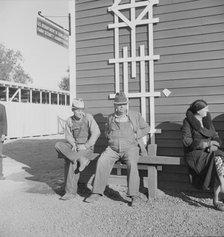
68 196
3 156
219 206
2 178
94 197
83 162
136 201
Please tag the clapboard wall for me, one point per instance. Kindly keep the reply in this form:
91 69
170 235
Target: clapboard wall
188 38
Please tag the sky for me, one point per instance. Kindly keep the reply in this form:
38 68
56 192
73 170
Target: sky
45 61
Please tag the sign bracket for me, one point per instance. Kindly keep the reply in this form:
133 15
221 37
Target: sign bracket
69 22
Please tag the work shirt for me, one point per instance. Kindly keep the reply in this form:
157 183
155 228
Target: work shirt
84 131
124 135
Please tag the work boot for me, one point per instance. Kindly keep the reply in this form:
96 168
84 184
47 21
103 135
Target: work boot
94 197
83 162
2 177
136 201
68 196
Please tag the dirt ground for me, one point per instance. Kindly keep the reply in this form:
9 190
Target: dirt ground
30 205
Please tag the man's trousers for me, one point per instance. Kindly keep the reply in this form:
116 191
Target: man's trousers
105 164
71 172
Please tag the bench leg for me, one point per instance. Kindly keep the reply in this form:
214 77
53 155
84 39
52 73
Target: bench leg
152 181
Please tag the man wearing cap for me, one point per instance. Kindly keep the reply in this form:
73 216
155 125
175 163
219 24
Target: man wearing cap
81 134
124 129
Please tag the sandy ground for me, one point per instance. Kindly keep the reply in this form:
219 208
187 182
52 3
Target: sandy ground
30 205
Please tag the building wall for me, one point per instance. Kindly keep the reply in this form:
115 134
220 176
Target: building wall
188 38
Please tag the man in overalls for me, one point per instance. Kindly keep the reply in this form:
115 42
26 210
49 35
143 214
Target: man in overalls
81 134
124 129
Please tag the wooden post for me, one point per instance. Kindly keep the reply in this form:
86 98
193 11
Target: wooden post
72 51
152 181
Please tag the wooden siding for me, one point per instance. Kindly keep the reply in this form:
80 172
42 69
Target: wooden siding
188 38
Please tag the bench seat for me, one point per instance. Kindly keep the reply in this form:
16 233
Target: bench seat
152 165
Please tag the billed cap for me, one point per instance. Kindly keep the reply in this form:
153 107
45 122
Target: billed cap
120 98
78 103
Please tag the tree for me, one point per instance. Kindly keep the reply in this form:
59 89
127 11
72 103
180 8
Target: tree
64 83
11 68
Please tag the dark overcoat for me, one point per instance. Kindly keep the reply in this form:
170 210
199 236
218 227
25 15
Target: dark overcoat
199 158
3 120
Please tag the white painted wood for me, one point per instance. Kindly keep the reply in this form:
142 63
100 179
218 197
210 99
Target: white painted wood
29 119
117 68
125 70
72 50
132 23
41 97
142 81
31 95
139 95
143 22
136 59
7 93
133 41
15 94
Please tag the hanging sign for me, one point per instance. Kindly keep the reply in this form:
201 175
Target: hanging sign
52 32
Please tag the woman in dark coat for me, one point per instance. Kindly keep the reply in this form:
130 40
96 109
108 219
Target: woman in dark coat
201 150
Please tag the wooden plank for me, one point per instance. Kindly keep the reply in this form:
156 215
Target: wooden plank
157 160
198 91
195 65
99 55
199 73
88 17
191 31
164 26
93 156
188 13
162 38
189 48
183 83
216 72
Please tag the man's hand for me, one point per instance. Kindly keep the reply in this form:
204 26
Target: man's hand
215 143
74 148
81 147
213 148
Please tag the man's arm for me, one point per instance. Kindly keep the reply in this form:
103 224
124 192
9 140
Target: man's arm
68 134
94 132
144 128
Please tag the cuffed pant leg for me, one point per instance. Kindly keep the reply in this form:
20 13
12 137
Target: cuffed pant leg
131 158
71 178
104 166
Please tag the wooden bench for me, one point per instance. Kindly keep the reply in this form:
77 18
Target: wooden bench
152 165
93 156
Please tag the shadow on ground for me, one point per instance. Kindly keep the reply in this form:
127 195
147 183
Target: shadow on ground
43 167
41 160
41 163
193 198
